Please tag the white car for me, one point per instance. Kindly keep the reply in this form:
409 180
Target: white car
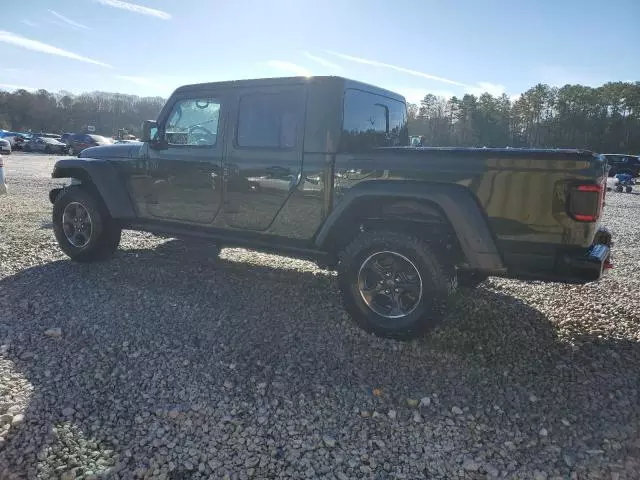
5 146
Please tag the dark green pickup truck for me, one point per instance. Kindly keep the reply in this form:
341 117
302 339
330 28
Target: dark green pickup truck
319 168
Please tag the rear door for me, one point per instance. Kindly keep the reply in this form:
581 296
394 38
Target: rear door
263 162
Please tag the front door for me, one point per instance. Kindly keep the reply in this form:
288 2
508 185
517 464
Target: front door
264 160
184 181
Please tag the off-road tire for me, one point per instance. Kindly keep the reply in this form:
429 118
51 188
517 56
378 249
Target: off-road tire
471 279
439 283
105 234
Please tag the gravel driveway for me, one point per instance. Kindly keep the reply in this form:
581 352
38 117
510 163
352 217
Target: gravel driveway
164 363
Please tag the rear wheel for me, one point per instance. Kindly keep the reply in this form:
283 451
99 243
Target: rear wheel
628 189
393 284
618 188
83 227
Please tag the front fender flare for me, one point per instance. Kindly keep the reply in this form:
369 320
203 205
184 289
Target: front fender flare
106 179
456 202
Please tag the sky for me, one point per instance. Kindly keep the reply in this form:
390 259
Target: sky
413 47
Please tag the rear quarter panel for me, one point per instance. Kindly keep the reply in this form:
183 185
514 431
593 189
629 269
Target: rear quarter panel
523 193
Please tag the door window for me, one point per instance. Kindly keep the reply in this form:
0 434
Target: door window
268 121
193 122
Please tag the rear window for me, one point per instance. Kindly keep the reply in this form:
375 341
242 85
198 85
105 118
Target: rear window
371 120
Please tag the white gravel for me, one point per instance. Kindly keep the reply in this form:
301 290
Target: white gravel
165 363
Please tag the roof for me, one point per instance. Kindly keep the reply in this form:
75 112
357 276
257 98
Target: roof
338 82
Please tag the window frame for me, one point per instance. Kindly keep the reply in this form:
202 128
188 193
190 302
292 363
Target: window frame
162 123
378 103
299 131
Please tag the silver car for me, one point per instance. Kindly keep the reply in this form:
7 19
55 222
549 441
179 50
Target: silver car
5 146
46 145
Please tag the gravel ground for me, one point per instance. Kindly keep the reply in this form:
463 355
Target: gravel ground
164 363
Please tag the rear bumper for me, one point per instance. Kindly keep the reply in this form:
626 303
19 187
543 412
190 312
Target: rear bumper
576 265
589 264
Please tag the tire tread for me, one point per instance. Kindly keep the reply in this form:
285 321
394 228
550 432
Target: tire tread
442 282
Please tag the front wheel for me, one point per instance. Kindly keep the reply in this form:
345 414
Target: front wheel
82 226
393 284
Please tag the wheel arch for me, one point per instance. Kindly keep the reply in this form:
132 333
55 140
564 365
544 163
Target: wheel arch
100 176
444 209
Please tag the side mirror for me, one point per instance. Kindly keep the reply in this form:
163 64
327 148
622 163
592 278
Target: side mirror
149 131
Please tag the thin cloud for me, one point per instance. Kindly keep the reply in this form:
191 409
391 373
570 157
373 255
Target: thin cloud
375 63
68 21
322 61
36 46
28 22
132 7
289 67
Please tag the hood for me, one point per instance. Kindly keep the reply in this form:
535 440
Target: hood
128 150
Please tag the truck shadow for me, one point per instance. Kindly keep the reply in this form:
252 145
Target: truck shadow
175 328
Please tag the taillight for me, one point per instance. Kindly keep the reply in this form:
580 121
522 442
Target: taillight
586 201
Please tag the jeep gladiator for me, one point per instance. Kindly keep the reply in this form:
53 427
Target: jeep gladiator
320 168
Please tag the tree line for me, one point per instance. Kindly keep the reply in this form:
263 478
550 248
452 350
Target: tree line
43 111
602 119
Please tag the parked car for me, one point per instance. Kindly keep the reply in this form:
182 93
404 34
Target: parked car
629 164
402 226
46 145
10 137
80 141
19 141
5 146
66 138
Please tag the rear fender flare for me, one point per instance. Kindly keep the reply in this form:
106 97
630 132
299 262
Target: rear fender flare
458 205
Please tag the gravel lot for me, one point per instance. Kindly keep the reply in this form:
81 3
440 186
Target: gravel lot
164 363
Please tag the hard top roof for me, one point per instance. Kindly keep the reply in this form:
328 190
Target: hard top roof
339 83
